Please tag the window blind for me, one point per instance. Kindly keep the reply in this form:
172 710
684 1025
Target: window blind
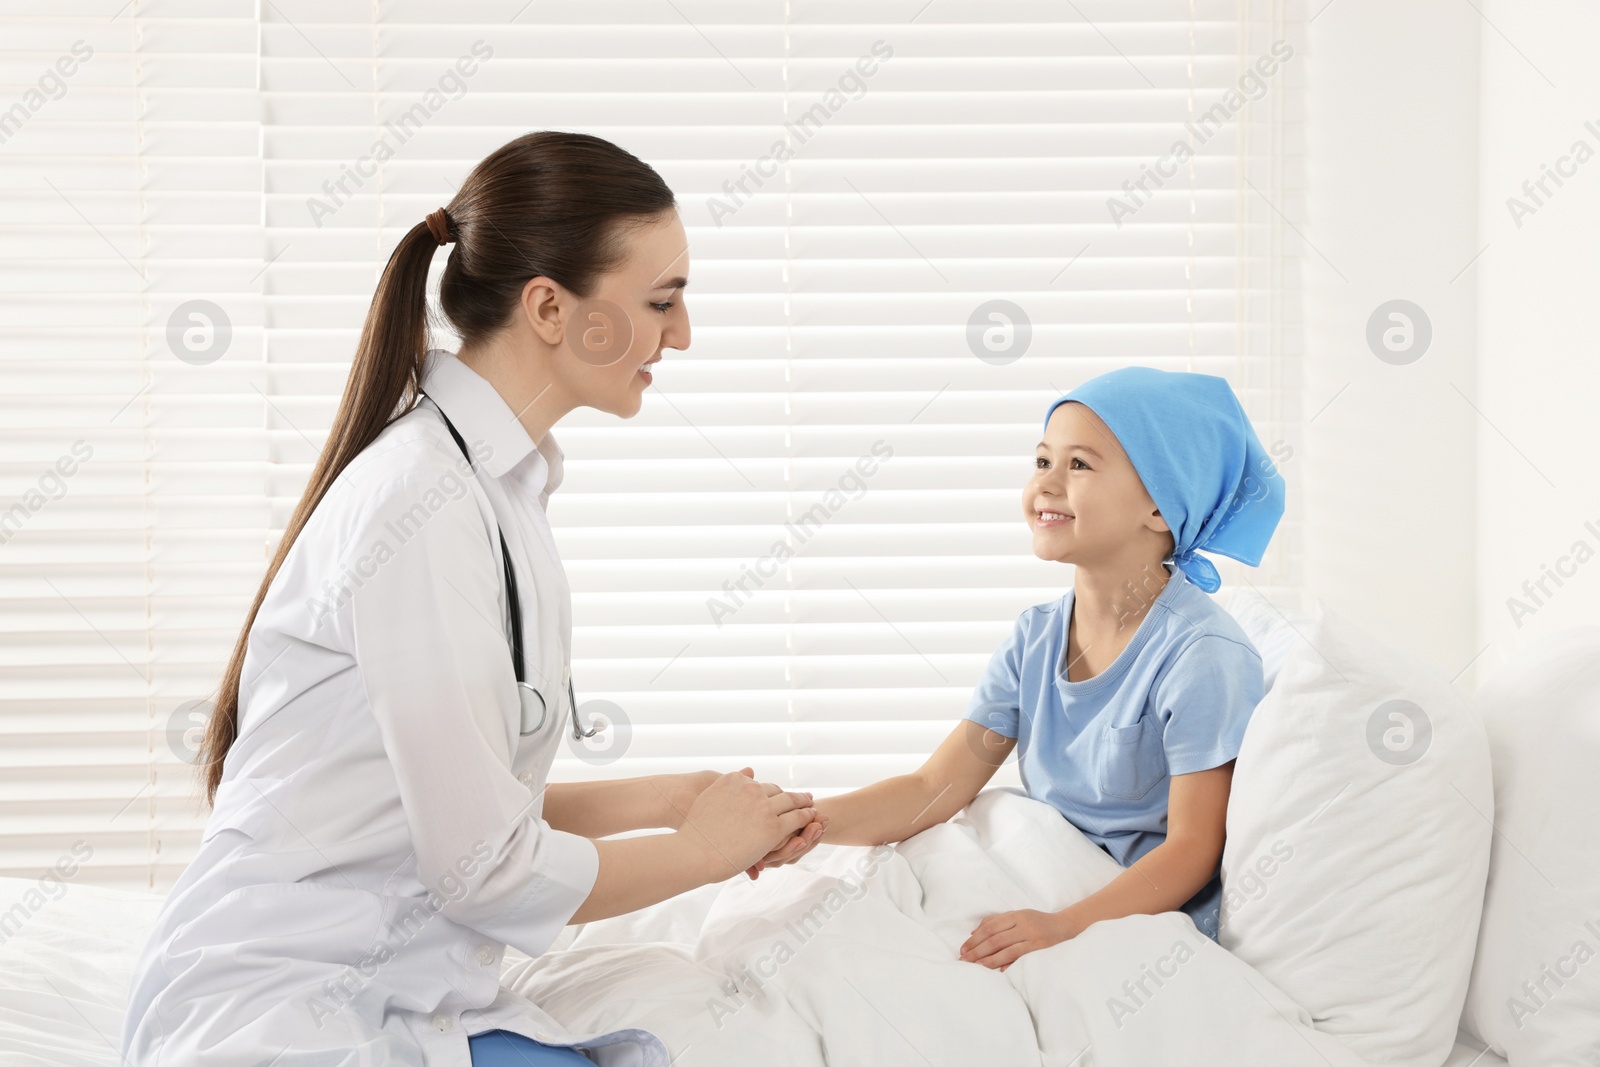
912 225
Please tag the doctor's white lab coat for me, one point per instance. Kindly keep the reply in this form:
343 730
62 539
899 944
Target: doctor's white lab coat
377 839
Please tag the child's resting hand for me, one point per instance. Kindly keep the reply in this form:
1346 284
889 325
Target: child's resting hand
1000 939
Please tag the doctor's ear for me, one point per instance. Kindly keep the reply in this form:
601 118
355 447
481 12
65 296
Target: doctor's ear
542 300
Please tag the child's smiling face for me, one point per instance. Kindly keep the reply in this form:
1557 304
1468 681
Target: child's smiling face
1085 503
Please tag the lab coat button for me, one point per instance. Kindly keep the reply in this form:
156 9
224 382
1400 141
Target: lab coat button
443 1023
485 955
526 778
541 1035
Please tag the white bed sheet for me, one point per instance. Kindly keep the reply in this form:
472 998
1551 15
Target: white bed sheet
876 974
1470 1052
65 961
753 972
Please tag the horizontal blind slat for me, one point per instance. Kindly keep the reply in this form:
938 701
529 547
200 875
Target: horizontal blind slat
228 155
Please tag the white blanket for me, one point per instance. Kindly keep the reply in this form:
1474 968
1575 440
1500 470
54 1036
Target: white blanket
850 957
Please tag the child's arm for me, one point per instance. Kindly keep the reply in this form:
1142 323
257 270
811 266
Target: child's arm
1163 879
899 807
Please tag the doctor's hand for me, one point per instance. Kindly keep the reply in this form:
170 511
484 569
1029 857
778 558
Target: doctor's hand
803 841
680 792
796 845
739 820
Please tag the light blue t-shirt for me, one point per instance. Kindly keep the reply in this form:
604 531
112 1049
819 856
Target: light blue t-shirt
1101 751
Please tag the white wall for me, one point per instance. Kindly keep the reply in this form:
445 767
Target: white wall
1392 204
1538 312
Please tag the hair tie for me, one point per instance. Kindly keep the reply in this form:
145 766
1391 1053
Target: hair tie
439 226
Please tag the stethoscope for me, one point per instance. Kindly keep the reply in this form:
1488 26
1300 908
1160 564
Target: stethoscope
526 693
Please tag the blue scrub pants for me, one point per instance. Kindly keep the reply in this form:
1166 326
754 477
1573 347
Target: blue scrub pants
502 1048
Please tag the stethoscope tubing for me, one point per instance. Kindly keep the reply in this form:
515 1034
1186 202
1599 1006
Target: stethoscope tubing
518 656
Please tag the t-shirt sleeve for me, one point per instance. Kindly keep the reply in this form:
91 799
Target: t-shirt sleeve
1205 700
996 701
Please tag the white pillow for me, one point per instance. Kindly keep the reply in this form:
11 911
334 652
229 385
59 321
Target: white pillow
1273 630
1535 992
1358 843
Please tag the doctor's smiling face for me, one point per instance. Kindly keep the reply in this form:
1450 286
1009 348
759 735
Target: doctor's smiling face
618 333
598 350
1085 502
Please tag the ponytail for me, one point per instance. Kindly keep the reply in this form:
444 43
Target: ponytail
547 203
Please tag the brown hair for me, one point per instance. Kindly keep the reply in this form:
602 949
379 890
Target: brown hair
550 203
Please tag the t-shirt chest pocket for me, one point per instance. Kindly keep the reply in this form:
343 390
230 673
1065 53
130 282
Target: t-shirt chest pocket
1132 759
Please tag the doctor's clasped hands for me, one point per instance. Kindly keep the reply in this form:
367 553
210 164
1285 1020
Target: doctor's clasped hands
721 824
747 825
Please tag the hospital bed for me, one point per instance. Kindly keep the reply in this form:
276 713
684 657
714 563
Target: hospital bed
849 956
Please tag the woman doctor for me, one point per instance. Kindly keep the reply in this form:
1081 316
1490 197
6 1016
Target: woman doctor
381 827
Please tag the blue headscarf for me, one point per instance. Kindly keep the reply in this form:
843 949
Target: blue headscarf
1199 459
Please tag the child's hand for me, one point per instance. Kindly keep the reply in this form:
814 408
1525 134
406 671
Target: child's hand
1000 939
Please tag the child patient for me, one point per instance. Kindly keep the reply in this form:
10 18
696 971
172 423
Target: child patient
1129 695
